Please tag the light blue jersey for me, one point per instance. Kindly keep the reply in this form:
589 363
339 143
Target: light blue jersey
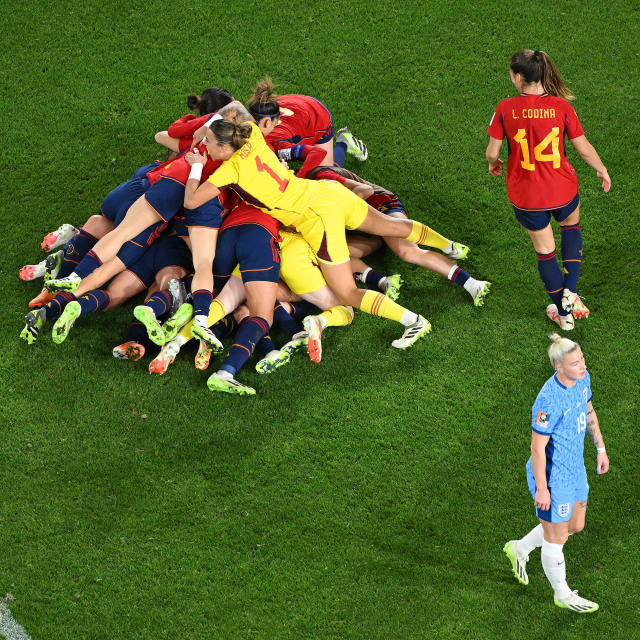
561 413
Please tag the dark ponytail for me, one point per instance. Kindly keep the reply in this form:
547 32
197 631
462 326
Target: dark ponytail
537 66
211 100
263 103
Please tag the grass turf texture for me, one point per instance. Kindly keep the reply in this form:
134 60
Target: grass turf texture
370 496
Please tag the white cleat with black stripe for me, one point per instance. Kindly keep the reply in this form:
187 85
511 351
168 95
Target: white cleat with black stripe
413 333
576 603
518 561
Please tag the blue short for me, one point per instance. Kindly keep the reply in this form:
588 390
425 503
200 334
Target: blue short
253 248
165 197
562 498
207 215
132 250
168 251
536 219
142 171
117 202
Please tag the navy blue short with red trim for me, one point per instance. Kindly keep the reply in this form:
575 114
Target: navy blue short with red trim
536 219
250 246
207 215
117 202
165 197
132 250
166 252
142 171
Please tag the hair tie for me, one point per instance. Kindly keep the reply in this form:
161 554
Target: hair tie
537 54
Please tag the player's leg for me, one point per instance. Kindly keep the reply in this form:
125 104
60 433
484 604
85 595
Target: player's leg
124 286
518 552
413 254
347 143
261 296
557 522
139 217
571 252
411 230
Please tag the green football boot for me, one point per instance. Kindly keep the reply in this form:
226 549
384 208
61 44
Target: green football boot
178 320
224 381
273 360
35 320
392 287
64 323
148 318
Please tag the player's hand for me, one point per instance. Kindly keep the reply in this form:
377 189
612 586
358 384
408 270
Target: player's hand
195 157
542 499
602 465
495 169
606 180
199 135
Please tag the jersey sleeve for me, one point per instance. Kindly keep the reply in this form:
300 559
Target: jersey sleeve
496 128
187 125
573 127
545 414
224 175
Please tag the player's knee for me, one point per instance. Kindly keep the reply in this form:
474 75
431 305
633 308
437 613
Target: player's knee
410 253
576 527
98 226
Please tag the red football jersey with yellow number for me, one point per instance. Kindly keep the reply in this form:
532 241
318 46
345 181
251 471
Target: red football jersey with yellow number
539 174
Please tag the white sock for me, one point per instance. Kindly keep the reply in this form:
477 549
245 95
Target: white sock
363 275
382 285
201 319
449 248
471 285
555 568
409 318
531 541
452 271
322 320
221 373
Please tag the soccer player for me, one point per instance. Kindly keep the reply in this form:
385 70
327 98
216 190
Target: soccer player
320 211
556 474
541 182
389 203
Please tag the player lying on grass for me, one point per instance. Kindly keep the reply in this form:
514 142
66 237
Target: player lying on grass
388 203
319 210
303 278
167 259
556 474
289 122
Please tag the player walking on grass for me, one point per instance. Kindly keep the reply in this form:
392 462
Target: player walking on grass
556 473
540 179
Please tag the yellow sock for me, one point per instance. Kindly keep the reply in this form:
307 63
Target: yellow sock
338 316
421 234
216 313
377 304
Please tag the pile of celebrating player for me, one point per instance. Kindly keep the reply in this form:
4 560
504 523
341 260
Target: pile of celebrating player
227 240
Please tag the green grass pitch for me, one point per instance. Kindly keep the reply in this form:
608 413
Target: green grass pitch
367 497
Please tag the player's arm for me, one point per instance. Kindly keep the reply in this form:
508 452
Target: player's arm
593 429
163 138
539 462
493 156
591 157
310 156
196 194
361 189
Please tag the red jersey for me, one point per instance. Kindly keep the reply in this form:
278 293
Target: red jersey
303 120
184 128
246 213
178 169
539 174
